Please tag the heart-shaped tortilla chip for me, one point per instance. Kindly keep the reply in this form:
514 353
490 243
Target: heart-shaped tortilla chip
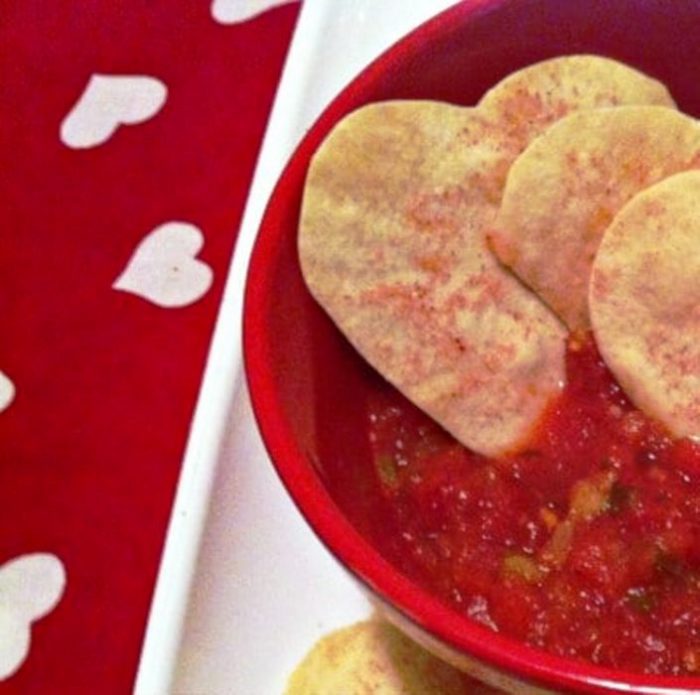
529 100
566 187
391 245
645 301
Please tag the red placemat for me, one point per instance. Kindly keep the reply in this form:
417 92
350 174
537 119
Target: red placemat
128 135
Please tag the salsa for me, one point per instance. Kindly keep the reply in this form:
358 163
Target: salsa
585 544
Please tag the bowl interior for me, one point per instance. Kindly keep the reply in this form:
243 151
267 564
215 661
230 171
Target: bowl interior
310 389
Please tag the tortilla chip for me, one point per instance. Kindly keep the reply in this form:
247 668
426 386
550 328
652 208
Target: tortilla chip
391 245
567 186
529 100
374 658
645 301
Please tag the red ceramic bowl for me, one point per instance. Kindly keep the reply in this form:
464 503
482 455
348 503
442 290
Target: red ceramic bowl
308 386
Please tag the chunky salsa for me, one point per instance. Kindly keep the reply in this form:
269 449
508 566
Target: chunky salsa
585 544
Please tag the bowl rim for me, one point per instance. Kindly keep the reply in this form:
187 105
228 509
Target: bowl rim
304 486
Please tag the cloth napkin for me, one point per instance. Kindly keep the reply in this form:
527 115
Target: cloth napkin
128 136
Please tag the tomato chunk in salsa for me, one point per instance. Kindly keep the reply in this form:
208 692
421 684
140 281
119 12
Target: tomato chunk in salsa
585 544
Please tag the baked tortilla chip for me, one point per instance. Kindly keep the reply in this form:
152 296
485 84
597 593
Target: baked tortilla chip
391 245
645 301
529 100
374 658
566 187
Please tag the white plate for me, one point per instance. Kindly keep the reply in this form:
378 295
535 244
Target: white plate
244 588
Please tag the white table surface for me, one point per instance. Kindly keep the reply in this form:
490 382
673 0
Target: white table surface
264 588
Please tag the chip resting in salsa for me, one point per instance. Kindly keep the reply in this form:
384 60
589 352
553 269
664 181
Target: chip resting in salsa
645 301
392 245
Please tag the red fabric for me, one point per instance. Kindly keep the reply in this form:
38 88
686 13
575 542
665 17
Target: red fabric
91 448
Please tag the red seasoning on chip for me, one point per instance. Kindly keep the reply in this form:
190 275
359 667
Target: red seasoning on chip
529 100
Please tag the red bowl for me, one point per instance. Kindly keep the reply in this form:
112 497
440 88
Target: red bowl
309 388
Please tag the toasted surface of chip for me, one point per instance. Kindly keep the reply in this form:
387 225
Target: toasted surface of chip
566 187
374 658
527 101
645 301
391 244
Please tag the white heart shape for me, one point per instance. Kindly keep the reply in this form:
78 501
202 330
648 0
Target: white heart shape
30 587
7 391
235 11
164 269
107 102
